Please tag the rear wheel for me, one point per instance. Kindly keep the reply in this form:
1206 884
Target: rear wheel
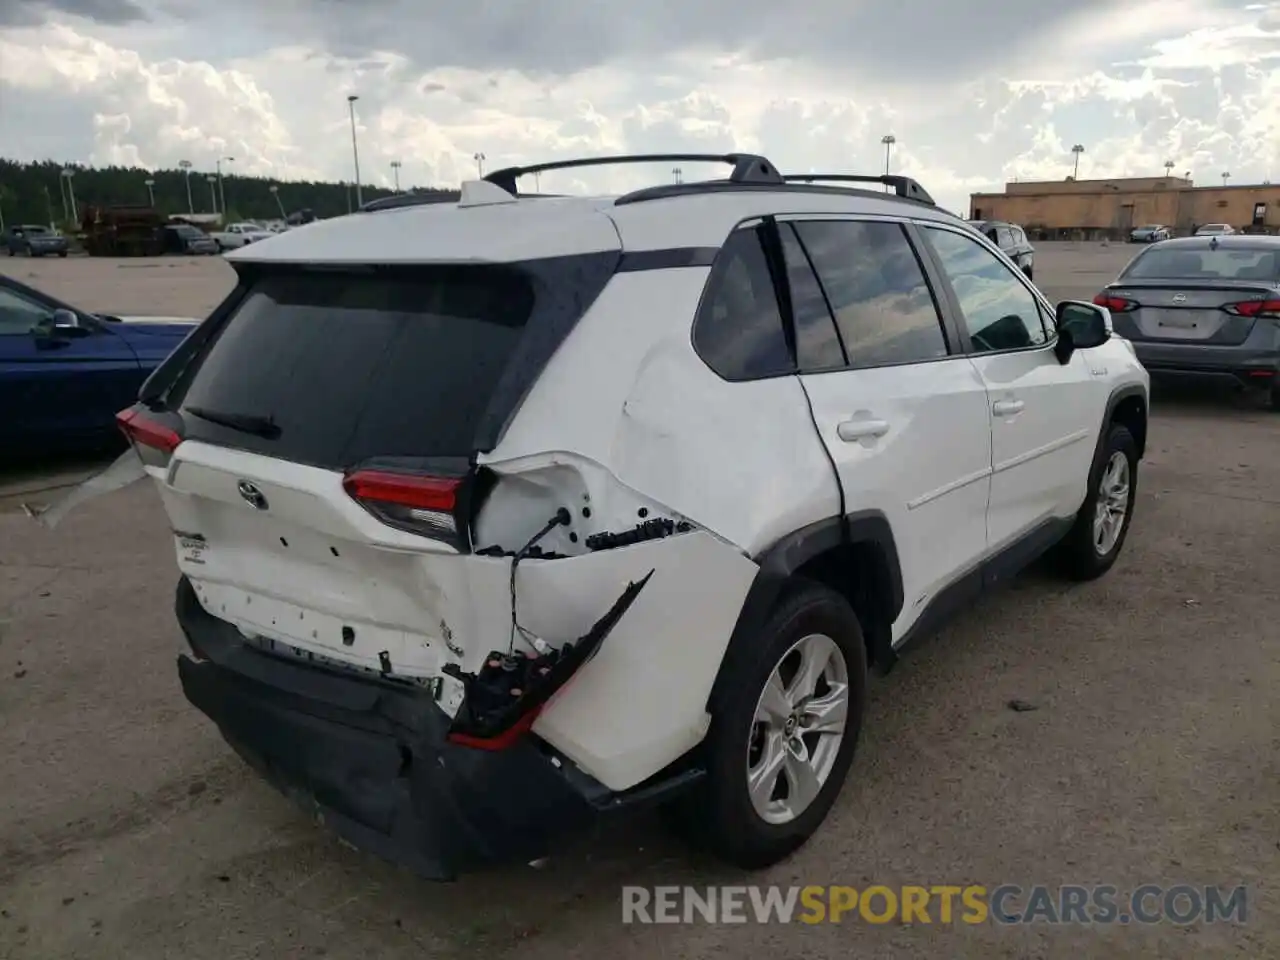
1029 271
1096 538
783 738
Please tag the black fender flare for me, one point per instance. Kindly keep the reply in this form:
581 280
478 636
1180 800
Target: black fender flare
1118 395
779 562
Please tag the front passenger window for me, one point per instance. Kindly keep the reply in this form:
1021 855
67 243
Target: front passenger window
999 311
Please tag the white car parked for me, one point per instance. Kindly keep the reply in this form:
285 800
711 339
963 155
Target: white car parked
1215 230
497 515
238 235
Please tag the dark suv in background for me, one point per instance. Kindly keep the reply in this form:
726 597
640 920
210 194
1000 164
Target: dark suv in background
1012 240
34 240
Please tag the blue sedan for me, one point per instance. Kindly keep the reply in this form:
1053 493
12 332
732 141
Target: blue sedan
65 372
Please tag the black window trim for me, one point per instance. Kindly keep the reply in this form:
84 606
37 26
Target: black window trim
950 333
1048 318
765 224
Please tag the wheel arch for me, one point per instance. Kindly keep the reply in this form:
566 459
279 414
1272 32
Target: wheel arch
1127 406
855 555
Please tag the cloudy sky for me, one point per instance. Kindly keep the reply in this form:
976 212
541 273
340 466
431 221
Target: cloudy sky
975 91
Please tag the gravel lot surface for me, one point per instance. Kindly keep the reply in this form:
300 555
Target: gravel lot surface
128 829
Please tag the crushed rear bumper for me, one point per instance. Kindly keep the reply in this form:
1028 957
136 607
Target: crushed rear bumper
370 759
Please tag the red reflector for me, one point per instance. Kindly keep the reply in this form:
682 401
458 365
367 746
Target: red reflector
1114 304
146 432
1254 308
503 740
406 490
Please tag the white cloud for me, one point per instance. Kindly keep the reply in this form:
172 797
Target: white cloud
1136 83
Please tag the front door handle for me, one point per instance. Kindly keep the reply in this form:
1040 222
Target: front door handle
851 431
1007 408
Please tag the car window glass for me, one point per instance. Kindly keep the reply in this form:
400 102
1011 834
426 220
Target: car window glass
1006 238
999 311
1205 263
18 314
817 343
738 330
883 306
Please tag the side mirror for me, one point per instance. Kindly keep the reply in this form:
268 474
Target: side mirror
61 325
1081 325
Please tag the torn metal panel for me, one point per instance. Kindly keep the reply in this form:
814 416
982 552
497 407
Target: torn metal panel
123 471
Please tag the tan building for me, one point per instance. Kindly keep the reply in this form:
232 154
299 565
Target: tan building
1114 207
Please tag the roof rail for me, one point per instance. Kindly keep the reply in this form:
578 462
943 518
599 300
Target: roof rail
902 186
413 199
747 167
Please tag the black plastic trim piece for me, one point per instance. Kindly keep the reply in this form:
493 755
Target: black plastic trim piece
995 570
1117 396
747 167
904 187
669 259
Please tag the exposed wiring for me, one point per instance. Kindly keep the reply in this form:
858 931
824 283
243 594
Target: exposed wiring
562 518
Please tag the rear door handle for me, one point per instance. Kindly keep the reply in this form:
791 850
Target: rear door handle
853 430
1007 408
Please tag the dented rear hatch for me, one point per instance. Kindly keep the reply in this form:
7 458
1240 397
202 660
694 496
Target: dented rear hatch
315 450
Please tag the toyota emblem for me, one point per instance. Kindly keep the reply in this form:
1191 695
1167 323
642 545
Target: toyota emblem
251 495
1179 298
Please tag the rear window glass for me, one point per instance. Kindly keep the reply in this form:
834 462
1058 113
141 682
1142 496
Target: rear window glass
1224 263
350 366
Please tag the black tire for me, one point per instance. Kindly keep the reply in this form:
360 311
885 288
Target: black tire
62 253
719 815
1274 406
1078 557
1030 272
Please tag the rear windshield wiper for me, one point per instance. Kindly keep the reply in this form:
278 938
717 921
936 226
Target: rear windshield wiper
259 426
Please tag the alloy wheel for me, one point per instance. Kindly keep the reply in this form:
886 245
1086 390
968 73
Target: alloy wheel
798 729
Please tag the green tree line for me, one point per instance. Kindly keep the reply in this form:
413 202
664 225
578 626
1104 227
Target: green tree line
36 192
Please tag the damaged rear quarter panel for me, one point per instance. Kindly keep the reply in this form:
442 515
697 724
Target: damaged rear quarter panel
640 703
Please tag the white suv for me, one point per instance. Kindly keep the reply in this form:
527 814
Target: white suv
497 514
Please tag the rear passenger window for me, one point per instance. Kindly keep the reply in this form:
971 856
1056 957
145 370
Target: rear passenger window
817 343
883 306
738 330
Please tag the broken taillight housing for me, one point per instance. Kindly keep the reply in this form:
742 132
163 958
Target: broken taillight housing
153 442
414 503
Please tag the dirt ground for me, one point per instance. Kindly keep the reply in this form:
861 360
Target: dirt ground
128 830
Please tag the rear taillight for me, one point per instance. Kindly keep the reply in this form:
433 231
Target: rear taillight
1115 304
153 442
1255 308
411 502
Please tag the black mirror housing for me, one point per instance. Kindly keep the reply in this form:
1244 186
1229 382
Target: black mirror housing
1087 324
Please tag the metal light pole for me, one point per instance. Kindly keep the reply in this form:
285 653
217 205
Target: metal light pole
62 195
275 192
185 166
222 190
1168 168
151 190
677 174
479 158
1077 150
1225 177
537 182
888 140
395 173
71 193
213 192
355 151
